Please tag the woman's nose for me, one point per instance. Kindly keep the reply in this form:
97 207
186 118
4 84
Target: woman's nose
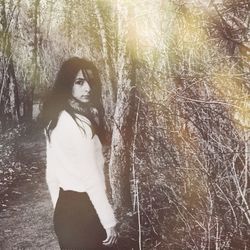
86 87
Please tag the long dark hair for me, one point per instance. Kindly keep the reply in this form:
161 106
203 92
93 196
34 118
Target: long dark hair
57 98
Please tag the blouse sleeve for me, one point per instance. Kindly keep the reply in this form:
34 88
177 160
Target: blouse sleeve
50 174
78 155
52 185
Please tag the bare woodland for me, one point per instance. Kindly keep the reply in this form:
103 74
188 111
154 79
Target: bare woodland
176 93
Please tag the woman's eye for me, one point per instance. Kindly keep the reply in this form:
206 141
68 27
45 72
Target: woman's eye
80 82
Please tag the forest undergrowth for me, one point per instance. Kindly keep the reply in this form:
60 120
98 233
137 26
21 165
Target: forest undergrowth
16 166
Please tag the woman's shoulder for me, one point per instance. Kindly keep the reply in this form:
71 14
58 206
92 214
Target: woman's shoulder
65 120
64 115
84 119
78 124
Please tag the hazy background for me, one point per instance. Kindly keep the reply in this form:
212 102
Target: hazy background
176 88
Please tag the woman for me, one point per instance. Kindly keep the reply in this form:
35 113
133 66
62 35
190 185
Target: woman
73 117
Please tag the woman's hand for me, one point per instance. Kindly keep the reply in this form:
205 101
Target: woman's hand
112 237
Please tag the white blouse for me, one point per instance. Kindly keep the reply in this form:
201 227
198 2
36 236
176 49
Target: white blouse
75 162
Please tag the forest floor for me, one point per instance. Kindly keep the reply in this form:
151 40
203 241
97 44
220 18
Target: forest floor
26 217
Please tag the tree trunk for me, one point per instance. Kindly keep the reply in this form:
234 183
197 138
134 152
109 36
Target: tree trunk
107 81
9 97
28 104
13 93
29 93
124 116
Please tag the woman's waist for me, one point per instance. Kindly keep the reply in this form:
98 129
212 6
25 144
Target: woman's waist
71 200
72 186
72 193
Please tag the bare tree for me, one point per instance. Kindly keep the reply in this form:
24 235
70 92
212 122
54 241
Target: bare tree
9 98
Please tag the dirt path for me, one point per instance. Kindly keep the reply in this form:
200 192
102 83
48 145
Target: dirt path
26 222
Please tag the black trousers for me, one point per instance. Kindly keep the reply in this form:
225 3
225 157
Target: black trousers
76 222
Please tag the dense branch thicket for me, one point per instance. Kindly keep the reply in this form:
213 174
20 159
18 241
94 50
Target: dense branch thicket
176 91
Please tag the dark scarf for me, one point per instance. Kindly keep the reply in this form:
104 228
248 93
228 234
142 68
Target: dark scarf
75 107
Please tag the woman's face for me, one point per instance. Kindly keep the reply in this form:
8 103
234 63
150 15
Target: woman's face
81 88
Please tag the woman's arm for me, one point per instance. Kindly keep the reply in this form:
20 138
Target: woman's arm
98 197
50 175
52 185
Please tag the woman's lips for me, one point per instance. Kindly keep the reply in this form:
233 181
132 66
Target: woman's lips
85 96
